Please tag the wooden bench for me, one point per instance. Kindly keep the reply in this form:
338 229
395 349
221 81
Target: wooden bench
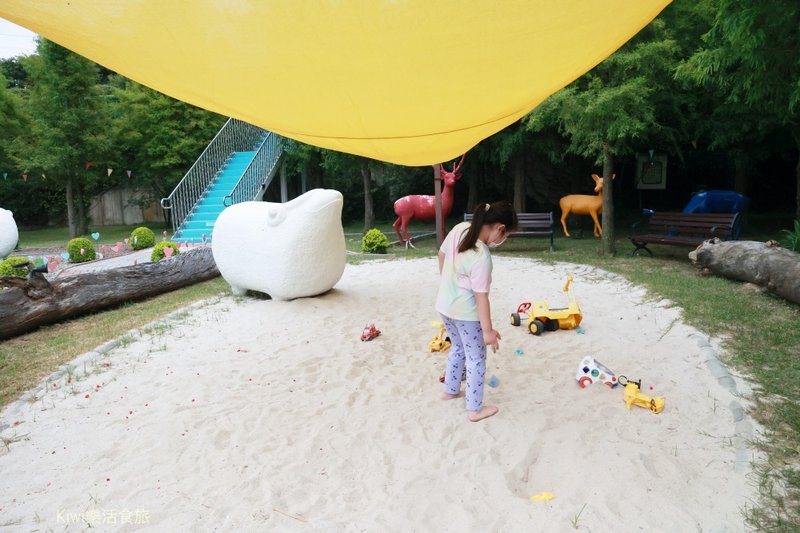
530 225
682 229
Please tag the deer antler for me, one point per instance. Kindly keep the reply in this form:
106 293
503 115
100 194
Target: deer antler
457 167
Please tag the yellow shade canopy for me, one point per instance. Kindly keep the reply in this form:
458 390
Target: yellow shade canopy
413 82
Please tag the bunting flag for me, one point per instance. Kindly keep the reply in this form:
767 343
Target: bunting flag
128 172
25 178
88 165
409 82
5 175
110 170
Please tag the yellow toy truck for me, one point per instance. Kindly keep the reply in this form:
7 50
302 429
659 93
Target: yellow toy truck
541 317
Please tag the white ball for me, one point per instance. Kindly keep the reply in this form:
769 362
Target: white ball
8 232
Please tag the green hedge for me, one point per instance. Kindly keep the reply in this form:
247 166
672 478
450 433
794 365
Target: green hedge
8 267
142 238
158 250
374 242
74 248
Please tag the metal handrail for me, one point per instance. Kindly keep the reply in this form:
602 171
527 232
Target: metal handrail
260 172
235 136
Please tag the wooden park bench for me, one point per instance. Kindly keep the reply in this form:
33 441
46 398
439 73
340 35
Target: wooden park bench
530 225
682 229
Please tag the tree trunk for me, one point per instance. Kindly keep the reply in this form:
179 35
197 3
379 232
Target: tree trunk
797 181
71 221
82 222
35 301
472 193
740 169
772 267
519 181
369 211
315 169
795 129
607 239
121 206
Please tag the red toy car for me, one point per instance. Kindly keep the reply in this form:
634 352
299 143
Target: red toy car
370 332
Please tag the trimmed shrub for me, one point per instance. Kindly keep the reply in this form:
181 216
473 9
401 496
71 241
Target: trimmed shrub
374 242
142 238
9 267
158 250
74 248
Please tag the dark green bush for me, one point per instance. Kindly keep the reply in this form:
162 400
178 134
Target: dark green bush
142 238
158 250
75 246
374 242
8 267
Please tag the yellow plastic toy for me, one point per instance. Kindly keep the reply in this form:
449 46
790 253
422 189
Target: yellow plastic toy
633 396
440 342
541 317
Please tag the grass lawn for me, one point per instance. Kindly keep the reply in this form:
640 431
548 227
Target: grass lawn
760 332
26 359
48 237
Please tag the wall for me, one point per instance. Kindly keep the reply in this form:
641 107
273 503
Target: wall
119 206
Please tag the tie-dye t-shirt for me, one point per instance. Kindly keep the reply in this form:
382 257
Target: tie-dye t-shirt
463 274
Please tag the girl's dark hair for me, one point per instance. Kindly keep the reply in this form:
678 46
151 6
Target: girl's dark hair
501 212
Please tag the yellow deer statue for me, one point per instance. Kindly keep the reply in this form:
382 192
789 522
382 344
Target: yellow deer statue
584 204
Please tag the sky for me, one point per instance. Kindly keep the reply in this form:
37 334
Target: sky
15 40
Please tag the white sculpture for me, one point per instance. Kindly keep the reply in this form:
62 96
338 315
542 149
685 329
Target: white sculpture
288 250
8 232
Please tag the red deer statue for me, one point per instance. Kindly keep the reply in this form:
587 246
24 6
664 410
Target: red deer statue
423 206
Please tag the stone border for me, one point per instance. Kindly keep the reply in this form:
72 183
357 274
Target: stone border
743 429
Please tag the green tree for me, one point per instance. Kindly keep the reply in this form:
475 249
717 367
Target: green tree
600 120
12 121
68 126
749 58
350 168
506 150
14 72
617 108
156 137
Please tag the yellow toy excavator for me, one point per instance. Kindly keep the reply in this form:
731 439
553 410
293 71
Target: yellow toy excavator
541 317
632 395
440 342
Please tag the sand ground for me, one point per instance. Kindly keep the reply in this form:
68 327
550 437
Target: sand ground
248 414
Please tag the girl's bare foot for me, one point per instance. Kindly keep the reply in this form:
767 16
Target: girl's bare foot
446 396
485 412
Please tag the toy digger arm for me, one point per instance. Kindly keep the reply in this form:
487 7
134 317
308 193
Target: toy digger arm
567 284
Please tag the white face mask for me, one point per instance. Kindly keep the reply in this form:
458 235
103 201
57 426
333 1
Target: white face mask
496 244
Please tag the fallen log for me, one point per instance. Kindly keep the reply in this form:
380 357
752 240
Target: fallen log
765 264
27 303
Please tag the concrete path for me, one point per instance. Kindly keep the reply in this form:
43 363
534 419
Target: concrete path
135 258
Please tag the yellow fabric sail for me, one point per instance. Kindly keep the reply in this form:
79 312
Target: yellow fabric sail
413 82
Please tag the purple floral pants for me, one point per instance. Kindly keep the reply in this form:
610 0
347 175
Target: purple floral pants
467 347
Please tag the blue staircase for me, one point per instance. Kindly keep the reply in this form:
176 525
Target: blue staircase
237 166
203 215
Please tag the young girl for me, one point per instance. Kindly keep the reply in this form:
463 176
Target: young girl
465 266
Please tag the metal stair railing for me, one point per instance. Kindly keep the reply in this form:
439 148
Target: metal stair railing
235 136
260 172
